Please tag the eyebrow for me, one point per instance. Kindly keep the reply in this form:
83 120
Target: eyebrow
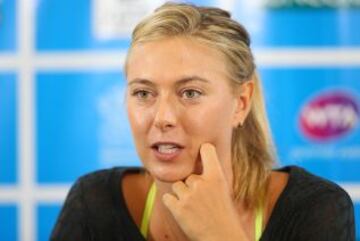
179 82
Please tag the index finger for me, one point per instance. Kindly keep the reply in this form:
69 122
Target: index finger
209 159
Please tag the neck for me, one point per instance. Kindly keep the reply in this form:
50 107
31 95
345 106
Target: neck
163 225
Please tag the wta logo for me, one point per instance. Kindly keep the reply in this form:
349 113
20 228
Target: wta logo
329 116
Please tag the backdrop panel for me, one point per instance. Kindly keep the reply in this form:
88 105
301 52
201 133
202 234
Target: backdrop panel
314 114
82 124
8 26
78 111
9 222
8 133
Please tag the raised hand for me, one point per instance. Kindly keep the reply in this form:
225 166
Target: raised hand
202 204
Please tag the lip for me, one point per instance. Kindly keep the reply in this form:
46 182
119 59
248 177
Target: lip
166 157
166 142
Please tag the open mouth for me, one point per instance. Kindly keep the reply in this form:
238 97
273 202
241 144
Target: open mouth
167 148
166 151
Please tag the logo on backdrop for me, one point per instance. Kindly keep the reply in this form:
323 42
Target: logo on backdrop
324 120
329 116
115 19
114 135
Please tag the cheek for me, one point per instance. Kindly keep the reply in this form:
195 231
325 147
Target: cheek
210 121
138 120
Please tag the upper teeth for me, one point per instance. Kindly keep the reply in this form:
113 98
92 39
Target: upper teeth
167 148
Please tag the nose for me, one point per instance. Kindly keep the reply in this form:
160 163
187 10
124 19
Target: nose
165 115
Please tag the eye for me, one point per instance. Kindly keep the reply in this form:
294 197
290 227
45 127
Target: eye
141 94
191 94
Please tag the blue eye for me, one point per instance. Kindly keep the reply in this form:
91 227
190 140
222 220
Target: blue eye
191 94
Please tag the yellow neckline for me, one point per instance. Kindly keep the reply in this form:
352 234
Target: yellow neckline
149 204
258 222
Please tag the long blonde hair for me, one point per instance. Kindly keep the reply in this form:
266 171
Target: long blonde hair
253 153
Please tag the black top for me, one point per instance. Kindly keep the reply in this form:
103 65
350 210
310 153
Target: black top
309 209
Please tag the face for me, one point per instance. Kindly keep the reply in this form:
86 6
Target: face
178 97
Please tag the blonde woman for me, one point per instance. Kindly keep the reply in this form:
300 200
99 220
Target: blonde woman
196 111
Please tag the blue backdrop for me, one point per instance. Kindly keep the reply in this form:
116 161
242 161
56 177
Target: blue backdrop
80 123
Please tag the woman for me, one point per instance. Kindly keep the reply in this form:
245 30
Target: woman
197 116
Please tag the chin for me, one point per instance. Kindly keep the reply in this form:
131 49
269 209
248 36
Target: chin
170 173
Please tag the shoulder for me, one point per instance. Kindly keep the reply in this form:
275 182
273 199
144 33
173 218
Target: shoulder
304 187
321 209
102 183
87 205
94 206
104 177
101 196
100 187
311 208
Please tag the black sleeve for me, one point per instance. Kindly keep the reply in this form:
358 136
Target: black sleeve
328 216
71 223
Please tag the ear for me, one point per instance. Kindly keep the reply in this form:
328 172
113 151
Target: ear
243 99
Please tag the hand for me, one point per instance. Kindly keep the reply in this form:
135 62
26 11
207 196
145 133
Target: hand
202 204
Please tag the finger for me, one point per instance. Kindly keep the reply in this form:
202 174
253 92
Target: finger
179 189
170 201
191 180
210 160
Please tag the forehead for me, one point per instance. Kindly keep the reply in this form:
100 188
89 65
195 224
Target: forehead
175 57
